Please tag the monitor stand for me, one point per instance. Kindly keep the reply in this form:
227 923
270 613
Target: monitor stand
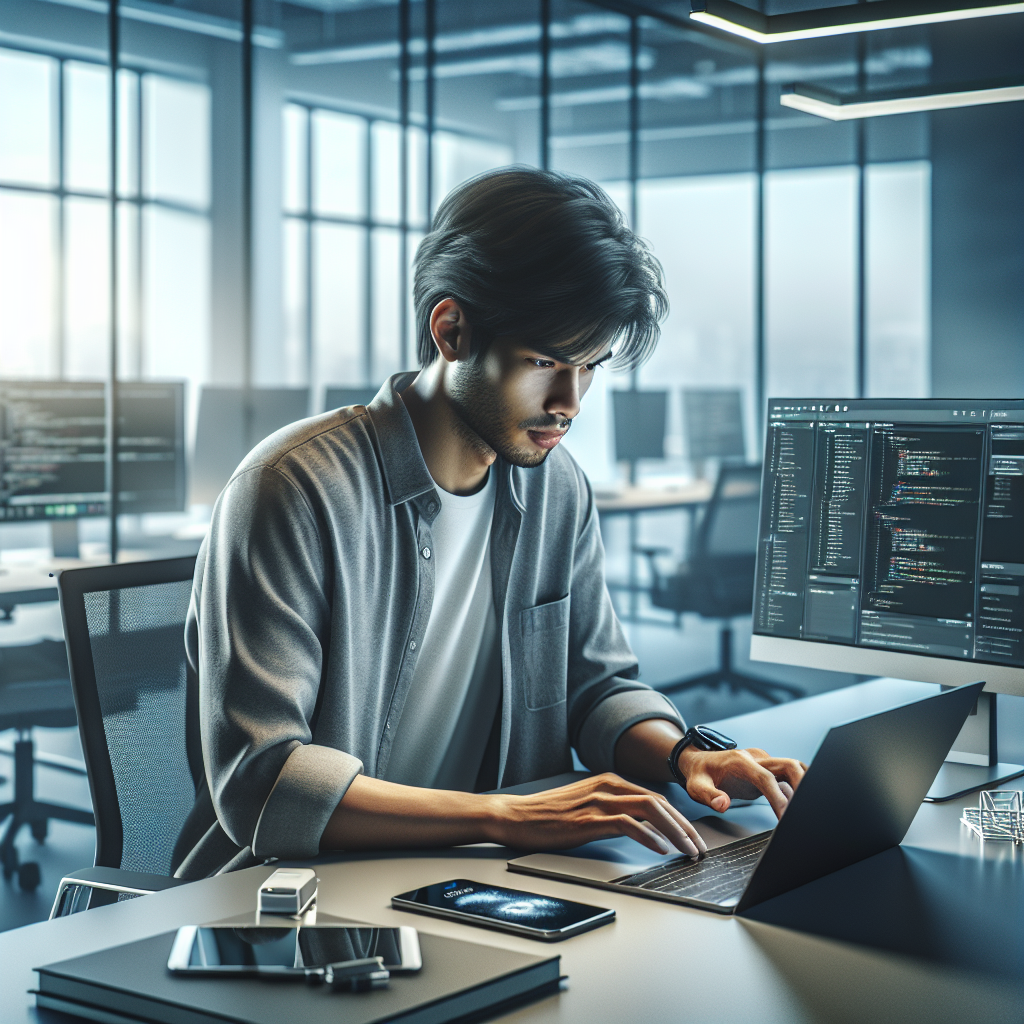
64 538
973 763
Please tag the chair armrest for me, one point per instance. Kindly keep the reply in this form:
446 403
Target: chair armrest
651 554
112 880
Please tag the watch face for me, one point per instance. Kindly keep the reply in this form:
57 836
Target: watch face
711 739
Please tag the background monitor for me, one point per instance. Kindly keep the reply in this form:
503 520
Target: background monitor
337 397
713 421
640 419
53 448
229 427
891 539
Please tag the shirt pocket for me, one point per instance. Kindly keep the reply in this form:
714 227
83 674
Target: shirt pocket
545 637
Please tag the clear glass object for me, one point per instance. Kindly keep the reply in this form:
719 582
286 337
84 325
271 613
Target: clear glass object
997 816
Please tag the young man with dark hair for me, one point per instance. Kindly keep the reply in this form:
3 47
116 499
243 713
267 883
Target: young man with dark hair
402 606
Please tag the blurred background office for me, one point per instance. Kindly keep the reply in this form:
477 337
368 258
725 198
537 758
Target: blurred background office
275 165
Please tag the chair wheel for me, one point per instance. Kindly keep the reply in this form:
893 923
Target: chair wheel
29 876
39 830
9 859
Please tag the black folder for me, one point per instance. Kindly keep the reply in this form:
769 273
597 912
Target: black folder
129 983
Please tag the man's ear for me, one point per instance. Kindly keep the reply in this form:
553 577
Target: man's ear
450 330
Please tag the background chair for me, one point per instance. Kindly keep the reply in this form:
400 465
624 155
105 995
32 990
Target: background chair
34 691
137 703
717 580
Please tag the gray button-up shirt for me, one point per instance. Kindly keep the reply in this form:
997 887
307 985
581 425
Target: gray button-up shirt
312 593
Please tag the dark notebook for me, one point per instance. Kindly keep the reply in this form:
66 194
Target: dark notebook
131 983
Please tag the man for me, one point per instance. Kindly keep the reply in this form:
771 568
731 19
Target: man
402 606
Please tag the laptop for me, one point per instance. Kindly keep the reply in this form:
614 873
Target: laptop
858 798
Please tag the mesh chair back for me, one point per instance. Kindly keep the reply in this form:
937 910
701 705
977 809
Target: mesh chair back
137 703
729 526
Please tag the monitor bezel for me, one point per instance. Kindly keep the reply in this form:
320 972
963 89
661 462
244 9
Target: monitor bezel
874 661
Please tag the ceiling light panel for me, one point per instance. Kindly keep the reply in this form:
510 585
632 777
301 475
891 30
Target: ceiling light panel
839 107
834 21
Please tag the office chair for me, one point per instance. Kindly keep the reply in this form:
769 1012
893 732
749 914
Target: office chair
717 581
34 691
137 703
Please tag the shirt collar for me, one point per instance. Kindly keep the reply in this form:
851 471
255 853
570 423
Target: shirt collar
405 472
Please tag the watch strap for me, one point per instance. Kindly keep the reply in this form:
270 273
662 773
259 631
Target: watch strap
702 738
673 759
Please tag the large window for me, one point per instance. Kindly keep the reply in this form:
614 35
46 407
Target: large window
365 115
344 235
55 220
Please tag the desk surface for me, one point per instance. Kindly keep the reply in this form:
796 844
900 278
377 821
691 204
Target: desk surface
664 962
652 499
36 582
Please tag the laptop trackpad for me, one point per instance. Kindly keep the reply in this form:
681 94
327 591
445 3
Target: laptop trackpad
608 859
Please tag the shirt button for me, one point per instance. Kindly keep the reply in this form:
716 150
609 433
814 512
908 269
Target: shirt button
412 645
426 552
432 507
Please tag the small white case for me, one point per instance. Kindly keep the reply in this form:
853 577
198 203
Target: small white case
288 891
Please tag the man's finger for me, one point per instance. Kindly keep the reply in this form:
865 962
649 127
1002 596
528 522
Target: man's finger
769 786
687 826
704 791
650 809
642 832
614 785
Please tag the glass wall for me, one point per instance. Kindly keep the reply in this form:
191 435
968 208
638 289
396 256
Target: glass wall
276 172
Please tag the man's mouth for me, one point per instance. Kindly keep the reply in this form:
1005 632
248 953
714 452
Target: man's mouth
546 438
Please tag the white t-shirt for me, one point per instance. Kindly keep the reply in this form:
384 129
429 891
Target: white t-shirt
456 686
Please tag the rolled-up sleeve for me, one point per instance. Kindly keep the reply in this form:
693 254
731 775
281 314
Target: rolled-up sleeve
605 697
263 615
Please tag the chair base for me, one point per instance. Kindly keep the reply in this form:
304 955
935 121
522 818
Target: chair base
25 809
739 682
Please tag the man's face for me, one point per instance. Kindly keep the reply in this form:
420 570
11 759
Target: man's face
519 401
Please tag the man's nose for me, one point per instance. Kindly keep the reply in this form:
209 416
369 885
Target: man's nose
564 398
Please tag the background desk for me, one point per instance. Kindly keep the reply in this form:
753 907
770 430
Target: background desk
632 501
659 961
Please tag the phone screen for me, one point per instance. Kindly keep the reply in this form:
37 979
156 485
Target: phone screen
273 950
503 906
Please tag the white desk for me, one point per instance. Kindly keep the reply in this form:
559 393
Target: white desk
660 962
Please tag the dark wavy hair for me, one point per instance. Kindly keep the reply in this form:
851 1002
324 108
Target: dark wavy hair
523 250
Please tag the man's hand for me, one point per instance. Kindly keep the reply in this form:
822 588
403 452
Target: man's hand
594 808
713 777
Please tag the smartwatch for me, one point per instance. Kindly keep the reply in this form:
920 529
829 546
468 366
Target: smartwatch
701 737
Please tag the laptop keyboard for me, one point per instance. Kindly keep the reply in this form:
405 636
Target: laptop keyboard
719 877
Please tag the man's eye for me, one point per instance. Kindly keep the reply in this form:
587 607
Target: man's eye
543 363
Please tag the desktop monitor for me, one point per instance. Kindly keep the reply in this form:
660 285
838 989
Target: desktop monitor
230 424
640 418
713 420
891 539
338 397
53 448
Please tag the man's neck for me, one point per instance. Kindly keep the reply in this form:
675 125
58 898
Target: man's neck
456 457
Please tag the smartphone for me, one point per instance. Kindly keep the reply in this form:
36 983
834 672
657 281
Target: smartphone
508 910
287 952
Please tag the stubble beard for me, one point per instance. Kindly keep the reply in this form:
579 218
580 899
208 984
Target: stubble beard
485 422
